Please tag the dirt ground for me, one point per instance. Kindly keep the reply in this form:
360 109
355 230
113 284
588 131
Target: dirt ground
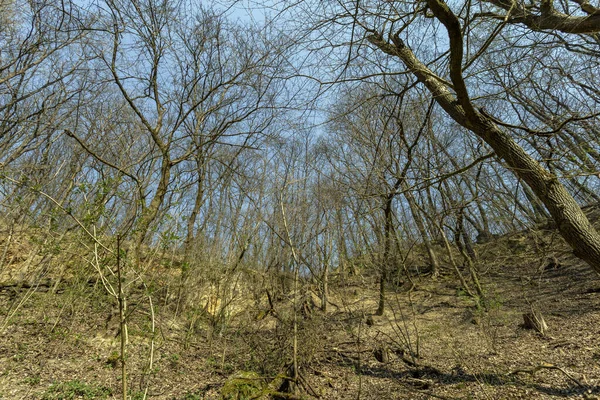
62 342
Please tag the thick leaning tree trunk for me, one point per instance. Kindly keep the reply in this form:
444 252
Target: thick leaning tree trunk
572 223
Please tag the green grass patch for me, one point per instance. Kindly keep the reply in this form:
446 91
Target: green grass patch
76 390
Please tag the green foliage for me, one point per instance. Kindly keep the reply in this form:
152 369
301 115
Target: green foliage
495 302
114 359
137 396
76 390
32 380
174 359
168 239
461 293
243 385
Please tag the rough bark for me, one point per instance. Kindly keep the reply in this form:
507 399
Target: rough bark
548 18
572 223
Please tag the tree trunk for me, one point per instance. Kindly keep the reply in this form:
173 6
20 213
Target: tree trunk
468 253
385 259
325 287
149 214
433 261
482 212
191 222
343 249
326 253
187 244
572 223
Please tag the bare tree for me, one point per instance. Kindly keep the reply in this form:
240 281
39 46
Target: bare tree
452 65
383 131
192 81
39 55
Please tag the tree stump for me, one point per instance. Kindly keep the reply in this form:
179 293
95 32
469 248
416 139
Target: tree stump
381 354
535 320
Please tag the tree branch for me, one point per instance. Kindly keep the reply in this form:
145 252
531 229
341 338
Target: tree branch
550 19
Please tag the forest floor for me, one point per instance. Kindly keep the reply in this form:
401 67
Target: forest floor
431 343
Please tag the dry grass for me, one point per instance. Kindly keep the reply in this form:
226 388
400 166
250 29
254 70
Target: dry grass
66 339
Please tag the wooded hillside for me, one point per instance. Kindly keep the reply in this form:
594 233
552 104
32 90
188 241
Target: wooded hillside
305 199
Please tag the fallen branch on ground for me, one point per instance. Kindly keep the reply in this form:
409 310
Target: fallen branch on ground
541 366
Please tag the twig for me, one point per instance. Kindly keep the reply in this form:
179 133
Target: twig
122 321
307 386
541 366
151 355
63 209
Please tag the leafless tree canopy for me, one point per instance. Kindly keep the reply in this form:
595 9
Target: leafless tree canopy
284 142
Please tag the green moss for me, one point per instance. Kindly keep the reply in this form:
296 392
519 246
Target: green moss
113 359
243 385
